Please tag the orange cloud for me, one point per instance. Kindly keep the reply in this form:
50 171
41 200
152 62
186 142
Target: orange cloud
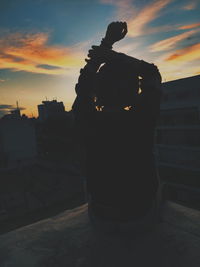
171 42
32 53
189 26
172 70
186 54
168 28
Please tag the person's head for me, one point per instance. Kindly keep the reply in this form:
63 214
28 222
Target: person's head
116 85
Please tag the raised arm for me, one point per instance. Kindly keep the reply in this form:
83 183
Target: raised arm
84 101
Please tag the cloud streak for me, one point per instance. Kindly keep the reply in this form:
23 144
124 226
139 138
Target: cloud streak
190 6
186 54
171 42
189 26
137 25
138 20
31 52
5 109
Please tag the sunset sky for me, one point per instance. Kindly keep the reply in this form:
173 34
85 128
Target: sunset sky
43 43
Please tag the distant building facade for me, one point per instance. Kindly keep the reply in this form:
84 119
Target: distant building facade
50 109
178 130
17 140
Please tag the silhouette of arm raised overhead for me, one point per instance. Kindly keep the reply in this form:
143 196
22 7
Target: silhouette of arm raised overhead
84 102
150 77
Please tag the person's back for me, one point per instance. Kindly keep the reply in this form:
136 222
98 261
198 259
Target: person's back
121 176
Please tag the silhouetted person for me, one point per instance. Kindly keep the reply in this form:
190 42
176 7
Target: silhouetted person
117 121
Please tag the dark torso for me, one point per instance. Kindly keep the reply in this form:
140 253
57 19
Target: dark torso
120 168
121 173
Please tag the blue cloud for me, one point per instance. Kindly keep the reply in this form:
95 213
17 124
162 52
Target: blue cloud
48 67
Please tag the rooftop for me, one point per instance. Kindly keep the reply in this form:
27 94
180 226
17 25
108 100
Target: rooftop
68 240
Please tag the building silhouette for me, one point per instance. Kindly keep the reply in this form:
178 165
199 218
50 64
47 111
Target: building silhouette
50 110
17 140
177 146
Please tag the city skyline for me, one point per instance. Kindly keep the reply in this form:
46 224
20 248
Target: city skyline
44 43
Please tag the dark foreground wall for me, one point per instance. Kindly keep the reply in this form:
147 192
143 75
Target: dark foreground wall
68 240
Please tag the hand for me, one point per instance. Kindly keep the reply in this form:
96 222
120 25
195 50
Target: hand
115 32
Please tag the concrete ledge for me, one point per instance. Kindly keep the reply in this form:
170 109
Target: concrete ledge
68 240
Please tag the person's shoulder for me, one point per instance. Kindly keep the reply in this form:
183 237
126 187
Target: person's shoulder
145 66
150 70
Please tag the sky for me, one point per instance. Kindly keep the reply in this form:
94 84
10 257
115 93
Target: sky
43 43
